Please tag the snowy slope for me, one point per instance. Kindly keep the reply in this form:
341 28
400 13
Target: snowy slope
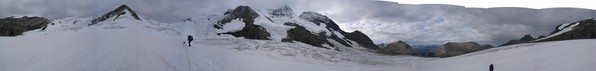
119 45
570 55
126 44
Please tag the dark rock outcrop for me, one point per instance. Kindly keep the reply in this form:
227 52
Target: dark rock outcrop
116 13
361 39
300 34
397 48
342 41
585 29
541 36
525 39
16 26
454 48
250 30
356 36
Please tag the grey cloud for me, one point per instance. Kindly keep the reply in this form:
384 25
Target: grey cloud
51 8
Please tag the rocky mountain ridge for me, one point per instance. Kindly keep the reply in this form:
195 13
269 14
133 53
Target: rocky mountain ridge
525 39
320 33
583 29
116 13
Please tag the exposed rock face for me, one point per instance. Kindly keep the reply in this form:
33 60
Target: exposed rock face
511 42
285 11
361 39
115 13
526 39
356 36
584 29
397 48
300 34
16 26
250 30
453 48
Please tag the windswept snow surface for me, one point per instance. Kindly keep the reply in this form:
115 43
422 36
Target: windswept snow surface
570 55
126 44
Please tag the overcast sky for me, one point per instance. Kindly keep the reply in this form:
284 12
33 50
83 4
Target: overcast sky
417 22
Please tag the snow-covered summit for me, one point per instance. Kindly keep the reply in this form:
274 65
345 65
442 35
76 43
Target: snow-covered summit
281 24
285 11
246 28
315 17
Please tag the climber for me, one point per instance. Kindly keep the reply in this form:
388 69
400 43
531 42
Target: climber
491 68
189 40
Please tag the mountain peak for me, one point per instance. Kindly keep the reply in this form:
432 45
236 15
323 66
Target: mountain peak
245 13
115 13
318 19
356 36
399 41
315 17
285 11
527 37
247 16
397 48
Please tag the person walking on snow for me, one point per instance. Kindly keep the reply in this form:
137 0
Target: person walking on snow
491 68
189 40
